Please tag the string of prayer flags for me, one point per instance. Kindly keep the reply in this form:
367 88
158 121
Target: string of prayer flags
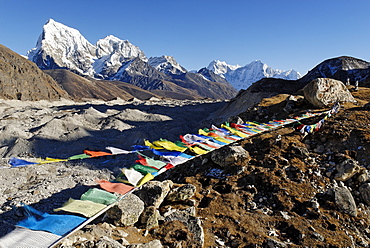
234 131
56 224
305 129
119 188
86 208
99 196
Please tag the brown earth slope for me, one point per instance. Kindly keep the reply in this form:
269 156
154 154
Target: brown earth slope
21 79
80 87
280 198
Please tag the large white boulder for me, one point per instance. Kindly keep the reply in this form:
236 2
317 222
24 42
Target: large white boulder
323 92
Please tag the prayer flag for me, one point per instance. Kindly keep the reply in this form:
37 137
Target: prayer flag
56 224
99 196
79 156
86 208
24 237
94 154
119 188
16 162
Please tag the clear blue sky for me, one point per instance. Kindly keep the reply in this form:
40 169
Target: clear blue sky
285 34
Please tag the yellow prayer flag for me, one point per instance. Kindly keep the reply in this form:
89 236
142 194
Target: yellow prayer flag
145 179
198 150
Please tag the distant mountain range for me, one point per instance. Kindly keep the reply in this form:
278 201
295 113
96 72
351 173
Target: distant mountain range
74 68
62 47
241 77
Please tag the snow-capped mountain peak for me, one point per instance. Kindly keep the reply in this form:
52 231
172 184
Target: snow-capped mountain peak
242 77
166 64
60 46
67 43
221 67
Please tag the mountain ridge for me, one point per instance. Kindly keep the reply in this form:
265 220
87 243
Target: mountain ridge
241 77
62 47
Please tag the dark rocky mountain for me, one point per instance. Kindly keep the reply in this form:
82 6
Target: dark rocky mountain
23 80
341 68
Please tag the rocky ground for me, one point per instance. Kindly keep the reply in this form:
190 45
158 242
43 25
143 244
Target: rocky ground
275 189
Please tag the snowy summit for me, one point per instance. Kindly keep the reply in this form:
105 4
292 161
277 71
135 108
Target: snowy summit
241 77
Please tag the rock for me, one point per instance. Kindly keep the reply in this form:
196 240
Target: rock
193 223
363 175
233 155
150 217
291 103
272 243
323 92
152 244
181 193
344 200
154 192
235 119
320 149
347 169
127 211
365 193
107 242
300 151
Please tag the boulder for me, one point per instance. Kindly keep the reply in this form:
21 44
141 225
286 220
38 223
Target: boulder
344 200
233 155
150 217
154 192
323 92
181 193
347 169
365 193
193 223
127 211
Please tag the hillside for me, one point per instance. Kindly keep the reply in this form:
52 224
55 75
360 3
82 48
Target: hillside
23 80
81 88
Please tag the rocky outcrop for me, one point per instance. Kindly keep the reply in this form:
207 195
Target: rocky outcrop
323 92
127 211
227 156
346 169
154 192
20 79
181 193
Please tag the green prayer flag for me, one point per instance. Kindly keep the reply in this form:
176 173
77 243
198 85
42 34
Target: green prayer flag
143 169
79 156
99 196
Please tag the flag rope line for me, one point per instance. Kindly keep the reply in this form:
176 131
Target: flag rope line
172 154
